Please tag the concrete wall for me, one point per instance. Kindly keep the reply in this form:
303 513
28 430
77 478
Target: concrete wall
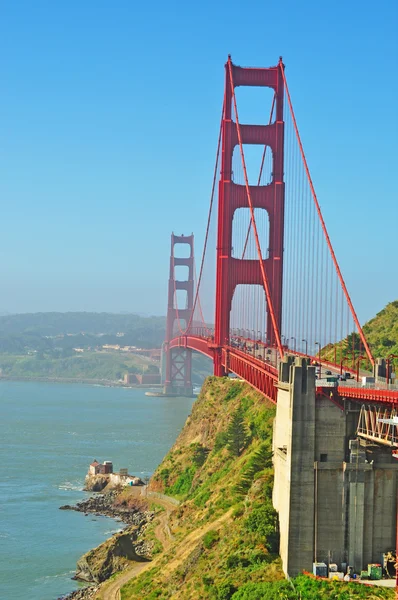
333 493
294 448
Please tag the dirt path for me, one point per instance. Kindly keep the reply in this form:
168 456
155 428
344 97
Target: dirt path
188 544
111 590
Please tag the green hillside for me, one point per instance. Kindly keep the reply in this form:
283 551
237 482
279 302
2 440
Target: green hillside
96 366
223 537
381 333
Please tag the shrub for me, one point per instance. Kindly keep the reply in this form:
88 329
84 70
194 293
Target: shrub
237 560
221 440
183 483
232 392
164 476
263 520
259 460
210 538
202 498
199 454
225 591
238 511
265 591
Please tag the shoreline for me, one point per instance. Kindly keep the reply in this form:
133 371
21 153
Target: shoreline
133 518
82 381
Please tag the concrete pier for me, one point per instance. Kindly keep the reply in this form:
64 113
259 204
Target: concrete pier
335 494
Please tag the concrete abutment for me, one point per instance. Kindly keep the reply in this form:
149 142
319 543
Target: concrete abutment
335 495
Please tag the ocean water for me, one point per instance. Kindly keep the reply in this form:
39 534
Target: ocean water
49 433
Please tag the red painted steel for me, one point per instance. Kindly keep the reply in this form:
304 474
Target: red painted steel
369 394
231 271
273 332
259 375
179 365
263 377
202 345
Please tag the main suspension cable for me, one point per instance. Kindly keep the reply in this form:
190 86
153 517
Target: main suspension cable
318 209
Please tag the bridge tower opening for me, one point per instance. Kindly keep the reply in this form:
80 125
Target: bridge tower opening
232 271
178 376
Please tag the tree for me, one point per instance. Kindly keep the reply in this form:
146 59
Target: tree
237 435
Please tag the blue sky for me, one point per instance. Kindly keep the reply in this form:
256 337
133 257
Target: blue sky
109 116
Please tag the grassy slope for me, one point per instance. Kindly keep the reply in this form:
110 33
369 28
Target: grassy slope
224 530
381 333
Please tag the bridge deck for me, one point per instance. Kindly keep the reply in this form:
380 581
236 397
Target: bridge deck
257 364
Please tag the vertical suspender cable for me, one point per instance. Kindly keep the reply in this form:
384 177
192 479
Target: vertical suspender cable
318 208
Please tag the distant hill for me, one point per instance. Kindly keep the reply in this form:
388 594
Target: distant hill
56 323
42 345
55 332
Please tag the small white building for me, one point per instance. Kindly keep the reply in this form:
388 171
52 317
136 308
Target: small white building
94 468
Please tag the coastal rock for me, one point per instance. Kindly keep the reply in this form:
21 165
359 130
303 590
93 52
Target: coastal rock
113 555
96 483
86 593
109 504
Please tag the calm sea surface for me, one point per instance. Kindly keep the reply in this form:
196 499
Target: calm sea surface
49 433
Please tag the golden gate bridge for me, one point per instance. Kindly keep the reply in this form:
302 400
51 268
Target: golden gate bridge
269 283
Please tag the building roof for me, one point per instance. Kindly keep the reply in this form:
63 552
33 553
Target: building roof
94 464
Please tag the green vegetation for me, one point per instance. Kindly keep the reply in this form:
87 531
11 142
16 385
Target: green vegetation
83 366
225 529
42 345
381 333
308 588
236 433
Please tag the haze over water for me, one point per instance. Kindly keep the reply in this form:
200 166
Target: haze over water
49 433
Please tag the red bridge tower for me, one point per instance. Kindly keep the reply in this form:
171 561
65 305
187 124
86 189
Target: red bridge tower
233 271
178 380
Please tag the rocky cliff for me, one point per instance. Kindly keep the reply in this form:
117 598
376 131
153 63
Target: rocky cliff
113 555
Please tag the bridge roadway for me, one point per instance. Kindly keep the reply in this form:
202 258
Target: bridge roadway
257 364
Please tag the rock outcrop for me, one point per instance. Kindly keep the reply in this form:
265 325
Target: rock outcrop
121 549
113 555
96 483
109 505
